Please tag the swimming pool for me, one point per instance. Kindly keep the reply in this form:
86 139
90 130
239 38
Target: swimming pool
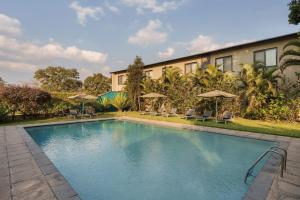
115 159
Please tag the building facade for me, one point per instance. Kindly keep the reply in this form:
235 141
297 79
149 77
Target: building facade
230 59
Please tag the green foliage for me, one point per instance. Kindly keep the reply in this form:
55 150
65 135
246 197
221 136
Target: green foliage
294 15
58 79
134 81
291 54
120 101
182 90
24 99
59 106
97 84
4 110
104 102
259 86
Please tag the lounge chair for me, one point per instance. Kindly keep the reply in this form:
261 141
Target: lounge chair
160 111
190 114
206 115
90 112
73 113
225 117
147 111
172 113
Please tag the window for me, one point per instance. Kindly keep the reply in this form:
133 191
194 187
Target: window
224 64
268 57
121 79
148 74
190 68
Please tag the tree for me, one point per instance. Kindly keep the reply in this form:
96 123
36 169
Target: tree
2 82
291 54
58 79
294 15
259 87
134 81
24 99
97 84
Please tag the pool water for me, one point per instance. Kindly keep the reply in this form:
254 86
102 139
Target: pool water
113 160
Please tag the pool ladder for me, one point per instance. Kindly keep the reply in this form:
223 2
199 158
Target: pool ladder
270 150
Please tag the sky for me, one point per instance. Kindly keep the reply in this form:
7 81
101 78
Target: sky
96 36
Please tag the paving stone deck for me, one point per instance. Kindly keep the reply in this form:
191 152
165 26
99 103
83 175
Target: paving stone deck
26 172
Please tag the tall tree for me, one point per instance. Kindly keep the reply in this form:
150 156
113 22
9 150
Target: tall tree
58 79
294 16
1 82
134 81
97 84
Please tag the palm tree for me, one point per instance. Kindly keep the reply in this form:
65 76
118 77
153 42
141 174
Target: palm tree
291 54
259 84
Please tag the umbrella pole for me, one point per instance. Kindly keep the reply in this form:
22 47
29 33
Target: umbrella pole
139 104
216 109
82 109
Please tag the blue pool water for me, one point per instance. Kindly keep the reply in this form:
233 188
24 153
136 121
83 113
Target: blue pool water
113 160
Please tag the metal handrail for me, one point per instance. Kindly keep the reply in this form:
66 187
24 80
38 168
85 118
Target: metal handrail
285 154
250 170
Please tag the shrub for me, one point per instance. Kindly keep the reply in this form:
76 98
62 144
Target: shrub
3 111
104 102
59 106
27 100
120 101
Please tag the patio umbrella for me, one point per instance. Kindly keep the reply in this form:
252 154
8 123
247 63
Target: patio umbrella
151 95
215 94
83 97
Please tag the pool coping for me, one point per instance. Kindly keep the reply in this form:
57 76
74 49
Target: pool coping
59 188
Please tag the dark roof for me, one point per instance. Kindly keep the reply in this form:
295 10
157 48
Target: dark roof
195 56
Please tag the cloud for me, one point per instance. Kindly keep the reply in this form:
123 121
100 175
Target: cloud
21 50
111 7
151 34
20 58
17 66
204 43
169 52
9 25
84 12
153 5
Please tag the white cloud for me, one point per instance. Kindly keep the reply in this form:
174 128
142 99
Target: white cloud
23 57
153 5
29 51
151 34
111 7
206 43
84 12
169 52
17 66
9 25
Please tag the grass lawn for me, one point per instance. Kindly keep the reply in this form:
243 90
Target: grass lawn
274 128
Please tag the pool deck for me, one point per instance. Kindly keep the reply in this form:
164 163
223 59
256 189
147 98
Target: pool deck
26 172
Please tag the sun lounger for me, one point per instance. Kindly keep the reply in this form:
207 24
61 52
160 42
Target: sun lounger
73 113
190 114
206 115
226 117
172 113
159 112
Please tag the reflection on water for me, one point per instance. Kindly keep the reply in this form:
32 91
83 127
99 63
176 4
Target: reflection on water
125 160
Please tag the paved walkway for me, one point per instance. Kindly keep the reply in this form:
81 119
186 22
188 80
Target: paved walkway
26 172
288 187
